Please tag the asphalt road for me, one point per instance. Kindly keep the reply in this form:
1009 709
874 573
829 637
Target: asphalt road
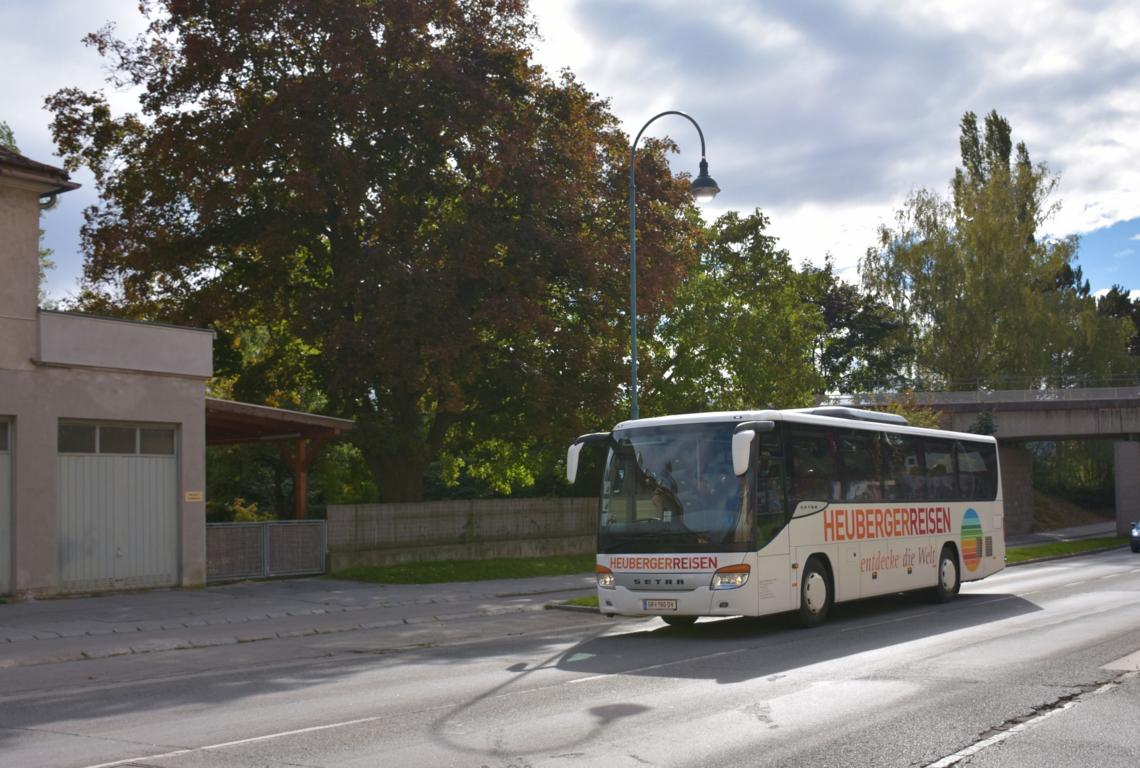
1027 668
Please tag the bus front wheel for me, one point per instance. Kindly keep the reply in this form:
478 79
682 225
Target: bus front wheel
949 580
815 594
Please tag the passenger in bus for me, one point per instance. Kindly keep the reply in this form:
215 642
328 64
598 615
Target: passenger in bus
940 482
718 491
666 497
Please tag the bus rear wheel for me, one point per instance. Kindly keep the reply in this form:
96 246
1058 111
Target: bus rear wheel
679 621
815 594
949 580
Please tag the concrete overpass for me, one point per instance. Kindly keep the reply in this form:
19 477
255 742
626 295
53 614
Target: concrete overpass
1025 415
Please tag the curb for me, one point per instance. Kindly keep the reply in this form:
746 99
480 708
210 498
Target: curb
162 645
572 608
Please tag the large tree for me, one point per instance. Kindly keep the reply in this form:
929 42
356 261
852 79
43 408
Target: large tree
862 347
740 334
985 299
437 223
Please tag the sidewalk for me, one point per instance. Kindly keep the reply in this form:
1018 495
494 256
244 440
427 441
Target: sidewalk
74 628
1093 531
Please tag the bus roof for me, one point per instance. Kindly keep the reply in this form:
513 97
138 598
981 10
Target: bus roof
821 416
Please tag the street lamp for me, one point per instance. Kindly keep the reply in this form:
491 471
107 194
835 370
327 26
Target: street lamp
703 188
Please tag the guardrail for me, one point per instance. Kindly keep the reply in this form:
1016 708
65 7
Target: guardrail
263 550
985 397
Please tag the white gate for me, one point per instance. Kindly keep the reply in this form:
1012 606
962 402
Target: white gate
118 507
5 507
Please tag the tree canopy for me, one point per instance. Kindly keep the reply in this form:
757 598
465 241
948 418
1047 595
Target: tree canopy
388 212
739 334
972 279
432 222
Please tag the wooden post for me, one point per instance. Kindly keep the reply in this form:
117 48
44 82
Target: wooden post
300 462
301 482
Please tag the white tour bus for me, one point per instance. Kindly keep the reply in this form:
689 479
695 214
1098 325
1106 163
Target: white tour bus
759 512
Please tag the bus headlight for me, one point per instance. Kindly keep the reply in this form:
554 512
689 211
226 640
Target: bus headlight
731 577
605 577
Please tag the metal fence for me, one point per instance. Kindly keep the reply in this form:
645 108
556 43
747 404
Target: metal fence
262 550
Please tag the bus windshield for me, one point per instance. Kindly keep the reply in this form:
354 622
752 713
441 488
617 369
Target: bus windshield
672 489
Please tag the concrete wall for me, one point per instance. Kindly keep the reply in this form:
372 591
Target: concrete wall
1016 488
384 534
83 340
19 270
1060 420
1126 467
57 366
37 400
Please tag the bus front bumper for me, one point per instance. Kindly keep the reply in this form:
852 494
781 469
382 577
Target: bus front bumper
702 601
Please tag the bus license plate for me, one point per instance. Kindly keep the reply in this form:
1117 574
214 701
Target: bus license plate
660 605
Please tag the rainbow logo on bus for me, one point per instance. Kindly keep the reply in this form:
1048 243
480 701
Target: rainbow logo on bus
971 540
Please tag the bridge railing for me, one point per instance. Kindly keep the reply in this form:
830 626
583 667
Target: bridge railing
985 396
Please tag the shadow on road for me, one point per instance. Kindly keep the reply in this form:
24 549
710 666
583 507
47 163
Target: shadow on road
735 650
725 651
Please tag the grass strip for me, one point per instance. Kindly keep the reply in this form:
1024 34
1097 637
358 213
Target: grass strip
1058 548
469 570
590 601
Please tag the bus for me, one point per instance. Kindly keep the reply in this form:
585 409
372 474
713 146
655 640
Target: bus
762 512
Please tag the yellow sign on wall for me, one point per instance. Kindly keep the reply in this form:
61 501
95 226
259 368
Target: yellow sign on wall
194 496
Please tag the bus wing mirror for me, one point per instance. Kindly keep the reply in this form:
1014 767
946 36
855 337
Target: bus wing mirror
575 451
742 440
742 451
572 462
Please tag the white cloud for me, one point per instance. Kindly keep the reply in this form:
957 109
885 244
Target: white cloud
842 113
1132 295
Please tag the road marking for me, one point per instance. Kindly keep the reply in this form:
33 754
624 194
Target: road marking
239 742
973 749
1129 663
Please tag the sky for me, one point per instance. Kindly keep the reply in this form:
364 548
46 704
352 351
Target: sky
825 115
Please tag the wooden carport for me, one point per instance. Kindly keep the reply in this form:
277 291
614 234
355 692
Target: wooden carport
300 436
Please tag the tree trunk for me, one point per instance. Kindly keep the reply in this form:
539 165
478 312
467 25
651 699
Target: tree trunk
396 455
399 479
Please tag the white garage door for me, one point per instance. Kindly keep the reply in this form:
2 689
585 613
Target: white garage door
118 506
5 507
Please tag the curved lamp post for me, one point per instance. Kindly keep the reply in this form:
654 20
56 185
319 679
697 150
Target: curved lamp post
704 189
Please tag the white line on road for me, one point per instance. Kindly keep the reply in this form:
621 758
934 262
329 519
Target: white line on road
973 749
239 742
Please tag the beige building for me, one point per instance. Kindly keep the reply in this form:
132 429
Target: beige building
102 428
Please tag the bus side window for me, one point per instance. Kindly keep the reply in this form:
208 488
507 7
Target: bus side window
977 471
770 510
813 465
859 450
941 474
904 468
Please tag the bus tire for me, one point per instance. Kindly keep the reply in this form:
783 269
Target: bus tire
816 594
949 577
679 621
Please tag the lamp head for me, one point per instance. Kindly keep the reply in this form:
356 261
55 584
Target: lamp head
704 188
